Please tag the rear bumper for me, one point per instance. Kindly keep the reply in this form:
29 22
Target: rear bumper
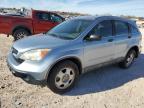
139 51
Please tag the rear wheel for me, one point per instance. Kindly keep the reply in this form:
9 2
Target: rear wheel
128 61
63 77
20 33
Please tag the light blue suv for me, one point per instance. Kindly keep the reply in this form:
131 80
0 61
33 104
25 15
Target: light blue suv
74 47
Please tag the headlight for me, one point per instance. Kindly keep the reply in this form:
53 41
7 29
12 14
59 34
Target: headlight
37 54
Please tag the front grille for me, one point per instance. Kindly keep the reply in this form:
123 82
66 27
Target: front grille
18 60
14 51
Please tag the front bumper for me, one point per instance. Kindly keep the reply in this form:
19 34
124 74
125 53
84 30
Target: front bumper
26 77
31 72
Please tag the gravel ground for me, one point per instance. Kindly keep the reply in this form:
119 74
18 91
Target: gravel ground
109 87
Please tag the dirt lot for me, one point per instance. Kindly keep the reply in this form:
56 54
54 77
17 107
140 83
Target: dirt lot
109 87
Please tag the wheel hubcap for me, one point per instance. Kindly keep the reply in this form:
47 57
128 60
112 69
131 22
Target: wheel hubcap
130 59
21 35
64 78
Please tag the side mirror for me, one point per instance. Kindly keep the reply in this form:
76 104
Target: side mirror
94 37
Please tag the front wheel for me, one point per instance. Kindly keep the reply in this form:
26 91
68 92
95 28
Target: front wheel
63 77
127 62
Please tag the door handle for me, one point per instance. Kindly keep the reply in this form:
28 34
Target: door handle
129 36
110 40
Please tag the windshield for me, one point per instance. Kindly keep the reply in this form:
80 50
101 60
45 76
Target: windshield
70 29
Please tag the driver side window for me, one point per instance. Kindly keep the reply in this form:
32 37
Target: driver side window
103 29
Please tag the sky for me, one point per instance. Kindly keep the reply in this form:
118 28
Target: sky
114 7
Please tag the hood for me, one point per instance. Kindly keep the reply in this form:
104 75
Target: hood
38 41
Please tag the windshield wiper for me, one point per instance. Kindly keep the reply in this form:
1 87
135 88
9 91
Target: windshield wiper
66 38
58 36
52 34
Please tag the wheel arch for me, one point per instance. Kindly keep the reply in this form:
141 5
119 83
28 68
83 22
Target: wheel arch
21 27
136 48
73 59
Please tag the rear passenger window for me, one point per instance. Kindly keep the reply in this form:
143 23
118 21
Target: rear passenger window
103 29
121 28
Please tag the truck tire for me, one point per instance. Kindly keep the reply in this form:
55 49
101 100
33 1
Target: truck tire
20 33
63 76
128 61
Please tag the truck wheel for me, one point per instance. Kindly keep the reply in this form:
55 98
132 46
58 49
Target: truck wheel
128 61
63 77
20 33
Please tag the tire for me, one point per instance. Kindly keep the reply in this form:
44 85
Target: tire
129 59
63 77
20 33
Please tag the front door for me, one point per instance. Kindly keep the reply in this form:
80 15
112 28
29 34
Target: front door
102 50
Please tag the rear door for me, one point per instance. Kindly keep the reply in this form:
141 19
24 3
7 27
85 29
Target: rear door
42 22
122 38
99 51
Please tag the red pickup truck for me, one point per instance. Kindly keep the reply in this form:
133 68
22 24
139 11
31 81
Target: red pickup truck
33 23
